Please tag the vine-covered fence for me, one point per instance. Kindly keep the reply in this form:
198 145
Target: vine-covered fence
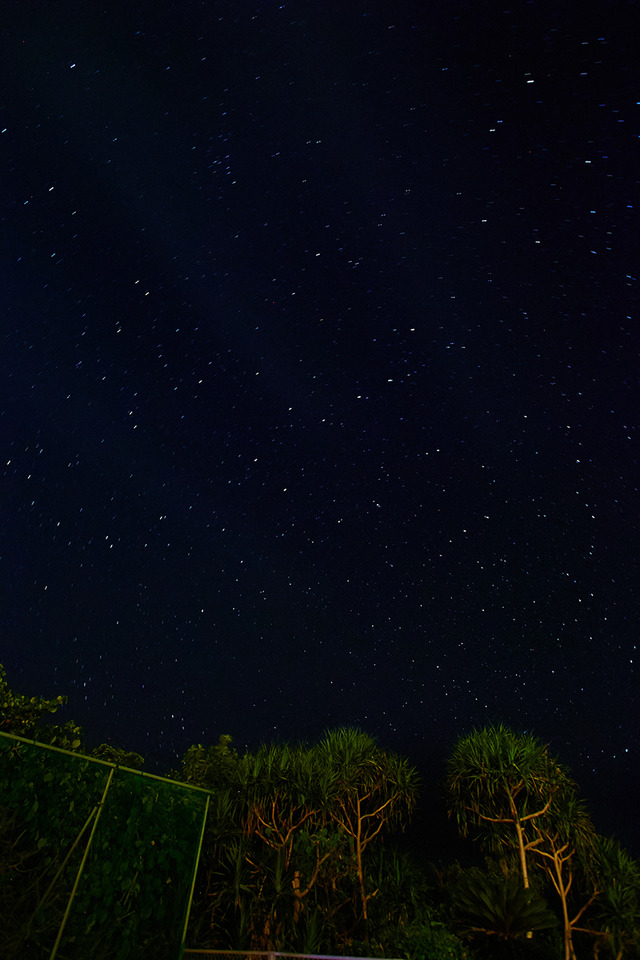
96 860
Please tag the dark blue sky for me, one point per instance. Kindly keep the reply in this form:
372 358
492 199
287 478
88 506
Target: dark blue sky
320 374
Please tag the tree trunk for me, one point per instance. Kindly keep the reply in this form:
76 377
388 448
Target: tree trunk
297 903
363 894
523 859
569 952
523 864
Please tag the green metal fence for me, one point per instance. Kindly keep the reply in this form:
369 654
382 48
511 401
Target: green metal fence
96 860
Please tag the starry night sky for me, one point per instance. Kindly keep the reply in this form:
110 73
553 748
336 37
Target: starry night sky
319 369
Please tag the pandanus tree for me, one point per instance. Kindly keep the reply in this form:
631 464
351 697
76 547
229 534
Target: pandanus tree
286 793
295 823
614 914
512 793
369 791
500 784
564 840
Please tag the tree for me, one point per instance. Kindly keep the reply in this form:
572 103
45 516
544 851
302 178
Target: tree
503 783
286 811
27 717
500 783
266 840
287 837
614 917
20 714
119 756
368 791
563 837
216 768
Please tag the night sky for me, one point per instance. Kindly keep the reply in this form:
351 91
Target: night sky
319 367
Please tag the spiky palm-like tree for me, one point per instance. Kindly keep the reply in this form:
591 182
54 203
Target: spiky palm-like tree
614 918
368 791
286 810
565 838
500 783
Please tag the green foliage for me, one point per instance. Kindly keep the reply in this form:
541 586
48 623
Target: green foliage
430 940
29 717
287 849
615 915
354 764
216 768
296 852
46 801
122 758
497 776
514 796
499 908
508 789
66 736
20 714
132 893
131 897
404 919
368 792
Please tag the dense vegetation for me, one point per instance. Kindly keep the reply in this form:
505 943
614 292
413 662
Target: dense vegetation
302 851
